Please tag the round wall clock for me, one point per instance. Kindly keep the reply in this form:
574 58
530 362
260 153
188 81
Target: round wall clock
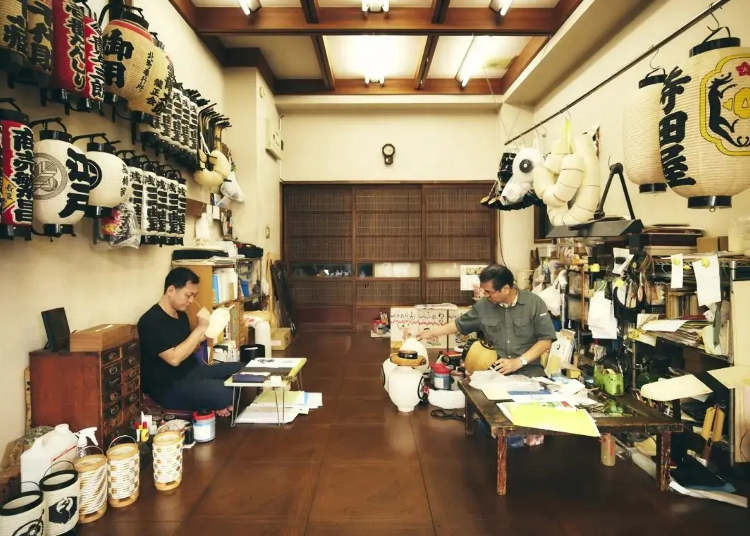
388 151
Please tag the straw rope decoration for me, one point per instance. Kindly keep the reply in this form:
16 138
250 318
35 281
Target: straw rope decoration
25 515
167 449
92 470
62 495
123 463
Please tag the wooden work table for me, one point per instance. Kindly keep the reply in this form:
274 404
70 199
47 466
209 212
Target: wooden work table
645 420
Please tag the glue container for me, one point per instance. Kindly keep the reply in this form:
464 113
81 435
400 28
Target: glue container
204 426
608 450
55 446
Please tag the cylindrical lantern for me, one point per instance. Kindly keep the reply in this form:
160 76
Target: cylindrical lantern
642 158
164 125
159 77
93 92
61 180
150 211
173 207
168 460
92 470
123 474
110 179
26 514
704 132
162 197
16 173
182 214
62 495
128 51
13 36
40 37
69 50
176 130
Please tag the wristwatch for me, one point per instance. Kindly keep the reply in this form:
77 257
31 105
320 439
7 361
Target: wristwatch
523 361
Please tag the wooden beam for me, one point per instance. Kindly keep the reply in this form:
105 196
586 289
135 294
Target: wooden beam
216 47
251 57
349 21
187 11
565 9
439 10
310 10
323 62
523 60
424 64
394 86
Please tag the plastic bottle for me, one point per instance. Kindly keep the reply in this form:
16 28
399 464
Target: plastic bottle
55 446
83 440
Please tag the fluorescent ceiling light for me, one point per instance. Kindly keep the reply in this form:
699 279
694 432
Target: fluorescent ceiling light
374 59
501 6
376 6
249 6
474 59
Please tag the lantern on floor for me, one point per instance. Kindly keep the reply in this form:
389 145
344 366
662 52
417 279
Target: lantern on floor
150 211
13 37
642 158
62 495
110 178
406 388
158 80
61 180
68 51
129 54
16 172
26 514
39 49
704 132
93 91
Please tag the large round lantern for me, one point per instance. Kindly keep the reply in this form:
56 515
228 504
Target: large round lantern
642 159
129 53
704 132
16 173
159 80
93 92
150 211
69 50
13 36
110 178
61 180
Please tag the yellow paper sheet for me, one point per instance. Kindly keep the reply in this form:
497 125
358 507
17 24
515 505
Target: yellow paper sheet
577 422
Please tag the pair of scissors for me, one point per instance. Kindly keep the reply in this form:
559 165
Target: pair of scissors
446 414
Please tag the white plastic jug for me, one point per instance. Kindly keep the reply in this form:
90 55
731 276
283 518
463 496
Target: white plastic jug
55 446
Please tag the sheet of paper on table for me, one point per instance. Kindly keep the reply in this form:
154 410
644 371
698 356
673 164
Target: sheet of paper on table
275 362
495 386
549 417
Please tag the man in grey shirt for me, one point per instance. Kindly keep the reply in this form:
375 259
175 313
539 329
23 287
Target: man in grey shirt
516 322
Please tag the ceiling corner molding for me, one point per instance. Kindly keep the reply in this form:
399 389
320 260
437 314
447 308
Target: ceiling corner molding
564 9
187 11
252 58
523 60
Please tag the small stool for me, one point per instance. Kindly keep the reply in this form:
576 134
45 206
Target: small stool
152 408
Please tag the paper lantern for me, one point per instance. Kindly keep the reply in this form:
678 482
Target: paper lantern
129 54
110 179
406 388
24 515
162 198
176 119
150 211
68 49
40 27
182 214
642 159
13 37
704 132
61 180
135 180
16 173
94 88
157 81
62 495
173 207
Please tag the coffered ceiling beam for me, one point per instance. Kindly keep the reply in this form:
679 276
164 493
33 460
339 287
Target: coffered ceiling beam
400 21
393 86
310 10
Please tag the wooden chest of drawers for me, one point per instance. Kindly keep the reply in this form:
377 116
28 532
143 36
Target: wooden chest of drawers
85 389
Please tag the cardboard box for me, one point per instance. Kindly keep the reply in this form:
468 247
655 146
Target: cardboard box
281 338
404 324
102 337
712 244
456 342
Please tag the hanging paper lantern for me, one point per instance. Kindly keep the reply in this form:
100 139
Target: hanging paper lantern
163 126
13 34
40 37
162 197
61 180
129 54
642 159
173 207
182 214
110 179
16 173
157 82
93 91
135 180
69 49
176 130
150 211
704 132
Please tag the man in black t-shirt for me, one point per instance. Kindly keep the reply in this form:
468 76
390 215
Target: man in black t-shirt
171 373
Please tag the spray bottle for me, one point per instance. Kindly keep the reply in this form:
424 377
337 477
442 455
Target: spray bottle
83 440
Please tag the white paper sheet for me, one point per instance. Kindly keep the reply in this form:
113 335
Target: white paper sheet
733 377
708 280
677 271
667 326
621 253
674 389
470 275
601 318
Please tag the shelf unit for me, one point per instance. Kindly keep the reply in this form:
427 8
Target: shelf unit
357 230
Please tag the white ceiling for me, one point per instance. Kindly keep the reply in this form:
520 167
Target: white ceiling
351 55
288 56
394 3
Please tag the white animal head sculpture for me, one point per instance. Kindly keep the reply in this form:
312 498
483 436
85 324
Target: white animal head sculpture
522 181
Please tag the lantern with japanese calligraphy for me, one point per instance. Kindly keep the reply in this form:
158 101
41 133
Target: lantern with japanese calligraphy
40 39
129 54
182 212
150 211
173 206
162 197
175 130
704 132
93 92
135 173
642 159
157 81
68 50
16 172
110 179
13 37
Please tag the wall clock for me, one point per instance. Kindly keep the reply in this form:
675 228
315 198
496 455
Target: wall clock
388 151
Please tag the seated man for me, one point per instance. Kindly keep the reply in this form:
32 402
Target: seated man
171 373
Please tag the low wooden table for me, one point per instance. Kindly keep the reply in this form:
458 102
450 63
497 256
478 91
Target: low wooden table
646 420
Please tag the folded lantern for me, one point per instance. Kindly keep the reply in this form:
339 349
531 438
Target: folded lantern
110 177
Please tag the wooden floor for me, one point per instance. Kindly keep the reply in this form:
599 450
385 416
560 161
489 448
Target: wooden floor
357 467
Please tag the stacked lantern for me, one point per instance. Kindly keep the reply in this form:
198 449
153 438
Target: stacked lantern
642 158
16 173
40 26
136 176
61 180
175 139
13 37
69 50
93 92
181 215
162 197
150 210
704 132
110 178
173 207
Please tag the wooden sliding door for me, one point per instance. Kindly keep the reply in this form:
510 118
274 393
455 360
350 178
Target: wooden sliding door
355 250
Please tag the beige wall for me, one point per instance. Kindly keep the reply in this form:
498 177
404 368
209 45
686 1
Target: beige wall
94 286
605 107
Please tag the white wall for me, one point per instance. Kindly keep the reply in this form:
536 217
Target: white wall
605 107
94 286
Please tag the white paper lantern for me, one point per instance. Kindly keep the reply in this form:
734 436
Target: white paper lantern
406 388
182 214
173 207
642 159
704 132
150 211
110 179
162 197
26 514
61 181
62 495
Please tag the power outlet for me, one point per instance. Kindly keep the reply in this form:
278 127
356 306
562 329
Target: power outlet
268 232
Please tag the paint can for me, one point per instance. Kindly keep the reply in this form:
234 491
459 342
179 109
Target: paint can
204 426
441 377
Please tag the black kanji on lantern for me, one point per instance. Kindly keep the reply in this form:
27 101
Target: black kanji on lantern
40 53
672 131
14 34
22 164
115 45
114 74
80 183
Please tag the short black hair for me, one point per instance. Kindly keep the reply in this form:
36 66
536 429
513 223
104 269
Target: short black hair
498 274
179 277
